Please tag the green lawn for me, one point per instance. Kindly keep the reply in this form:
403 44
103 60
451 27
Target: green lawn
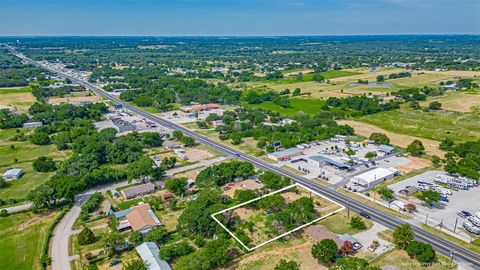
127 204
24 153
431 125
22 238
339 223
307 105
332 74
26 89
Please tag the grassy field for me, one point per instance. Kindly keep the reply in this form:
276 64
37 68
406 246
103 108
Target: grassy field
338 223
430 125
400 258
24 153
402 140
22 239
457 101
16 99
307 105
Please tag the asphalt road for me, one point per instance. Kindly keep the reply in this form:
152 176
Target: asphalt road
439 244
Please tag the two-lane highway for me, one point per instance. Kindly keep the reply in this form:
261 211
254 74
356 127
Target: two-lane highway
441 245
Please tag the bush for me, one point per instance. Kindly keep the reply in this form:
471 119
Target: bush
3 213
357 223
86 237
40 138
44 164
325 251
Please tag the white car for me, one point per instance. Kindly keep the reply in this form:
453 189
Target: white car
475 221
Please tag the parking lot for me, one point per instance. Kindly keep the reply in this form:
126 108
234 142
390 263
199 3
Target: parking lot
333 150
125 122
179 117
443 212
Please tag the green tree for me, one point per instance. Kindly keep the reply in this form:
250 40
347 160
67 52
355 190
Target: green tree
386 193
436 160
402 236
435 105
188 141
40 138
370 155
423 252
272 203
273 181
429 196
177 135
177 186
157 234
3 213
379 138
296 92
414 105
44 164
245 195
356 222
134 265
86 237
416 148
287 265
380 78
325 251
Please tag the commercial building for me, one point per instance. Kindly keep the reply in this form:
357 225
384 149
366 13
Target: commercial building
374 177
285 154
319 161
149 253
387 149
140 190
12 174
142 218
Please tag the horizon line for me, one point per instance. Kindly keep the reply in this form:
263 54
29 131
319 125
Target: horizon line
238 36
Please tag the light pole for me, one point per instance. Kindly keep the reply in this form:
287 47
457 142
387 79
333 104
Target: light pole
455 228
348 209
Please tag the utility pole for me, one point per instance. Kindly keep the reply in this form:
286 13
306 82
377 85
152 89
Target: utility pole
348 209
455 228
426 219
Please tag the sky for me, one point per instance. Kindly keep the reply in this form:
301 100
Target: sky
237 17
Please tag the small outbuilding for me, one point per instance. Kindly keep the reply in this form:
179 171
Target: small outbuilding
12 174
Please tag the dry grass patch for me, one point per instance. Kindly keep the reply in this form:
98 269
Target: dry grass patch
402 140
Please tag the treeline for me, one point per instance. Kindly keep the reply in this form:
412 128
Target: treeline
418 94
244 122
463 159
381 78
160 94
362 105
42 93
14 73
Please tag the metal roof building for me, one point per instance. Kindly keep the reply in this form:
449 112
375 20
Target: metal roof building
139 190
285 154
12 174
374 177
317 160
148 251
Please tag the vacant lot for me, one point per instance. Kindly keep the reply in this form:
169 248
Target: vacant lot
22 239
74 98
457 101
402 140
400 259
430 125
306 105
16 99
22 156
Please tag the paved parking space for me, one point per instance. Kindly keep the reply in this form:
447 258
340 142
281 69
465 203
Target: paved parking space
445 213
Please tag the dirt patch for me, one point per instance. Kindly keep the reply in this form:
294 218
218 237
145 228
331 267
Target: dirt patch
246 184
431 146
75 99
266 259
291 196
17 102
244 213
34 220
414 164
194 154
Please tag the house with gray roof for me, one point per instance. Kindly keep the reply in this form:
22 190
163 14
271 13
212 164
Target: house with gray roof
136 191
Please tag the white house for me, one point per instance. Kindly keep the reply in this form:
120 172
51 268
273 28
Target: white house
12 174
